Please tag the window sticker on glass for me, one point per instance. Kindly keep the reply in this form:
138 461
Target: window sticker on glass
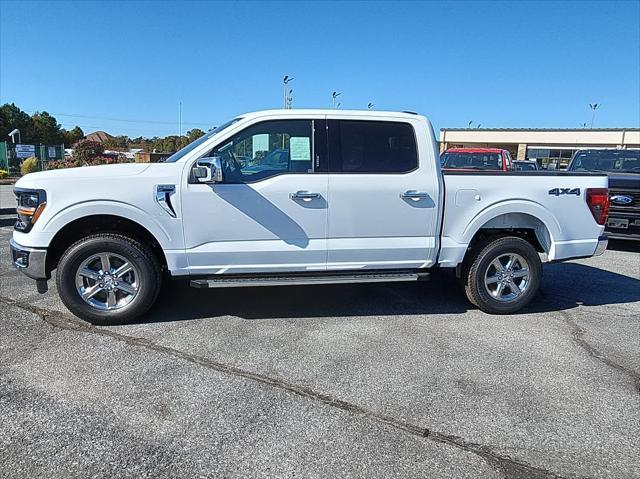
300 148
260 143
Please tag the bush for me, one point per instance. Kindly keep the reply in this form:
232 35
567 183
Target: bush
29 165
3 174
86 150
74 163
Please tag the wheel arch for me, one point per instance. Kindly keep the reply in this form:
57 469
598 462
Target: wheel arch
520 218
80 227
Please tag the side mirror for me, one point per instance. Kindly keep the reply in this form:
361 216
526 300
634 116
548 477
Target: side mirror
208 170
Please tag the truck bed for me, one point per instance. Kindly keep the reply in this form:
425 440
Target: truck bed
552 202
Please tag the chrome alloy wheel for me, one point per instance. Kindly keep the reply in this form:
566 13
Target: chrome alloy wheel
107 281
507 277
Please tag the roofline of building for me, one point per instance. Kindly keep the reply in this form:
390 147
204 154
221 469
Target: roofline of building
540 129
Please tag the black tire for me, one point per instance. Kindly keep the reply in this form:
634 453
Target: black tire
148 280
477 266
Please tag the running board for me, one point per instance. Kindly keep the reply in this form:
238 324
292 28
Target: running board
234 282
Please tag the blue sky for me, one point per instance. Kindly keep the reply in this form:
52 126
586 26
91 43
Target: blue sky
501 64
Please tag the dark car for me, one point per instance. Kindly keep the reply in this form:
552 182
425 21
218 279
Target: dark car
520 165
623 169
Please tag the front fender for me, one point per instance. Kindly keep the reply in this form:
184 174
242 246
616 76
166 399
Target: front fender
166 232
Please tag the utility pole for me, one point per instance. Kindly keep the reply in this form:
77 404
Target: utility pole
180 119
594 107
285 82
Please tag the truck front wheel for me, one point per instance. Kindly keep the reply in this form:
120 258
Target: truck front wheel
502 275
108 278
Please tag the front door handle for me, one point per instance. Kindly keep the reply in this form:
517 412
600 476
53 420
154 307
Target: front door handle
414 195
304 195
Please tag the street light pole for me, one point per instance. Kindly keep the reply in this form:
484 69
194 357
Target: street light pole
13 134
335 96
289 99
285 81
594 107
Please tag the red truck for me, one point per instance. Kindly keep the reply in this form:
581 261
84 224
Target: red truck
476 159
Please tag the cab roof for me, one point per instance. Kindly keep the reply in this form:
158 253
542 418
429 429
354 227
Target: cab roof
297 112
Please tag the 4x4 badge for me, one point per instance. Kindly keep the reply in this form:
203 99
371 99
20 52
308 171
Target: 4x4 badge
565 191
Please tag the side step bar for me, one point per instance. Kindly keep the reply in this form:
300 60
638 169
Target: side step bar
234 282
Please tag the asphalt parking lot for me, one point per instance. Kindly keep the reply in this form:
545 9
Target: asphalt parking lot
397 380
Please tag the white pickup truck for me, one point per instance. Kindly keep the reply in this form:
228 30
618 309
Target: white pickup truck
300 197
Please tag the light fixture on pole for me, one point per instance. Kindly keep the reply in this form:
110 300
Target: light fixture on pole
285 82
594 107
13 134
335 96
370 105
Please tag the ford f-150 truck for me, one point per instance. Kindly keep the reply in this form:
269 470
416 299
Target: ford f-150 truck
623 169
289 197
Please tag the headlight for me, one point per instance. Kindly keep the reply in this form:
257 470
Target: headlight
31 204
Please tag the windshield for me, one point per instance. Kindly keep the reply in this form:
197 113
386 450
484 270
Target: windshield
525 166
194 144
622 161
474 161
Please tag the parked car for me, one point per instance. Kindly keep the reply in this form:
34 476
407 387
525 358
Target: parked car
361 200
623 168
476 159
525 165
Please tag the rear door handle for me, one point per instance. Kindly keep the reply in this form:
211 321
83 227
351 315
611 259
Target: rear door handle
414 195
304 195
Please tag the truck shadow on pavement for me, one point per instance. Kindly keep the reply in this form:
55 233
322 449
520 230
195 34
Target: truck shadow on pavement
565 286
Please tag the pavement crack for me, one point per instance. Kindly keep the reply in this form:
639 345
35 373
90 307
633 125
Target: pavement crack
508 466
578 333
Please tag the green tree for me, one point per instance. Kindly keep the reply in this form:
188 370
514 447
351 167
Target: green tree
117 142
45 129
69 138
13 117
194 134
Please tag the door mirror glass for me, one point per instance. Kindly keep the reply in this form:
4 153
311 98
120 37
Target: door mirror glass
208 170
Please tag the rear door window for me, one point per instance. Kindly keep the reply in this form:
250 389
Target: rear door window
357 146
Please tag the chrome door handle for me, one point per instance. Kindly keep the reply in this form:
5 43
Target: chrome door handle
414 195
304 195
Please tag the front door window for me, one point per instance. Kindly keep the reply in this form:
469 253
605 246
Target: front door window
267 149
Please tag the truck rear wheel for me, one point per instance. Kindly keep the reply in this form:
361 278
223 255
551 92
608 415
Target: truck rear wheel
108 279
502 275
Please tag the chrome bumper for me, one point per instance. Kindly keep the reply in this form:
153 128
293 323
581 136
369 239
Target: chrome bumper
603 241
31 261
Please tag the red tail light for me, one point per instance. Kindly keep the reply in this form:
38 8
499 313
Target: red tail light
598 201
